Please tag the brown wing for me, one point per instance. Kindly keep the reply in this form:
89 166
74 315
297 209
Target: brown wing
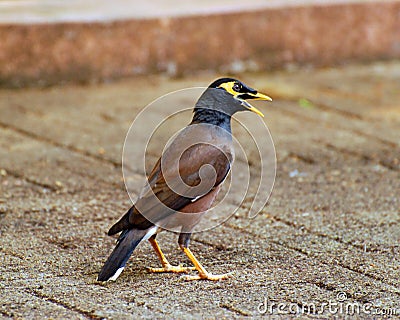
161 200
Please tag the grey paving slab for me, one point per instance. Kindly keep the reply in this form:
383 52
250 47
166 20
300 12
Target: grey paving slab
330 229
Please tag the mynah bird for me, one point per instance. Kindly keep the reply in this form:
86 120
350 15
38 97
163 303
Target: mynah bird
185 181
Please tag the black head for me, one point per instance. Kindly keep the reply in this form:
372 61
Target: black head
239 86
229 96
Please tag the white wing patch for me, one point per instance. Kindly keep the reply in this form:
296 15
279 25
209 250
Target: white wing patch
195 199
149 233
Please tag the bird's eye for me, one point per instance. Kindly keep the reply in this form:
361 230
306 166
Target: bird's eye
237 87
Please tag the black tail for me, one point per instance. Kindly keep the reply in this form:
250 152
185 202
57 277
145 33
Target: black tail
122 224
127 242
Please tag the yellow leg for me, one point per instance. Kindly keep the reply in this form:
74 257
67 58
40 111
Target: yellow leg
203 274
166 266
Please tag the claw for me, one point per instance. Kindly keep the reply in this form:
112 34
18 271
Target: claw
209 276
171 268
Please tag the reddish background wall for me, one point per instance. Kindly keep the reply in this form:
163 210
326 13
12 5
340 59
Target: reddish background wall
322 35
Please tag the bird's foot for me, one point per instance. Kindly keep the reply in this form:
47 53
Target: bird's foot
171 268
209 276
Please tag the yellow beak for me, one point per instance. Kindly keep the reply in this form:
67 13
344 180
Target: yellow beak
261 96
255 110
257 96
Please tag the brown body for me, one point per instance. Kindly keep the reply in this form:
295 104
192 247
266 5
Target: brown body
183 183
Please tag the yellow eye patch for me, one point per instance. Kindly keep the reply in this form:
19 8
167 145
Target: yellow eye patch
228 86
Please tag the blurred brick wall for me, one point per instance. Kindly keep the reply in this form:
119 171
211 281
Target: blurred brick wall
45 54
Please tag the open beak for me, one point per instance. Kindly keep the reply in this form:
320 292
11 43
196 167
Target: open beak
259 96
254 96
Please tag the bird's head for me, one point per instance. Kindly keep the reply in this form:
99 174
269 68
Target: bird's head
229 96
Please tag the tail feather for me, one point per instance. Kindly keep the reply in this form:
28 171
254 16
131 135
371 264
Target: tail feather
127 243
122 224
